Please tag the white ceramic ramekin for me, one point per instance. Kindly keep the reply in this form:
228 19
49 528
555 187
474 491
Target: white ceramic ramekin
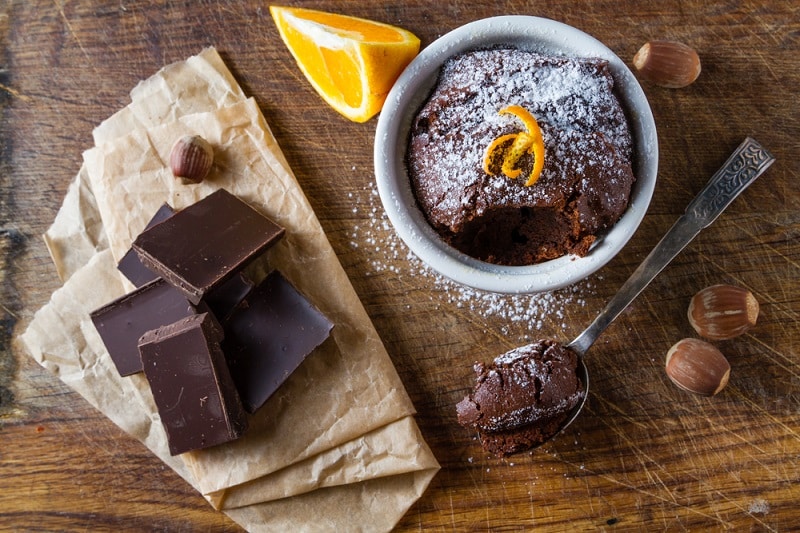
414 86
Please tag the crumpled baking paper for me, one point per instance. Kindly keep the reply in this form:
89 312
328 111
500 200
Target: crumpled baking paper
336 448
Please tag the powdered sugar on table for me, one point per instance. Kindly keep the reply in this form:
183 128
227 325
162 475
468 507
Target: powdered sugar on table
385 253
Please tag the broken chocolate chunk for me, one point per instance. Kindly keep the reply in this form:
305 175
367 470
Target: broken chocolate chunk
268 335
120 323
192 387
205 244
130 265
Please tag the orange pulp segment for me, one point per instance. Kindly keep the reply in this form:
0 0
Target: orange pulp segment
351 62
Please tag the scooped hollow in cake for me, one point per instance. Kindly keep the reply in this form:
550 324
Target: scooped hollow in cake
523 397
470 161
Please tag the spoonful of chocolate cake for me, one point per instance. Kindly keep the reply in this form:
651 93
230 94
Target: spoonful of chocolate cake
528 395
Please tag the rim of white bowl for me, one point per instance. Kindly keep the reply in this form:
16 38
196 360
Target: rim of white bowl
412 89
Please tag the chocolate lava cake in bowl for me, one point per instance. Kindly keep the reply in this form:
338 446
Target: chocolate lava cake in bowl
516 154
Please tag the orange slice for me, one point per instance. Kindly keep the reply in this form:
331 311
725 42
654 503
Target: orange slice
351 62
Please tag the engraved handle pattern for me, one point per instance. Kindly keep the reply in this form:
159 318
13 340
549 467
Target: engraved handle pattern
742 168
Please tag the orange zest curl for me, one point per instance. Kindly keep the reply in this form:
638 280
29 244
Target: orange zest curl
512 146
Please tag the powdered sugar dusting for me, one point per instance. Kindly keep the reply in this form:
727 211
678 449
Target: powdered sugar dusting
386 252
574 103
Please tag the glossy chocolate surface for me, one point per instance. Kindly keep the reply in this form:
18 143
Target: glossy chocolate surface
130 265
205 244
269 335
224 299
192 387
121 322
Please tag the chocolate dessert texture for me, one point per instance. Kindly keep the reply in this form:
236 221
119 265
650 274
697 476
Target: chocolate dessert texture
521 399
587 176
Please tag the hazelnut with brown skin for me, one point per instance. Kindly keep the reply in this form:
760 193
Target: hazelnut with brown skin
670 64
697 366
191 158
722 312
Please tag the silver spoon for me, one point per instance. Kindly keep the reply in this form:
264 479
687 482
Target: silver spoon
747 163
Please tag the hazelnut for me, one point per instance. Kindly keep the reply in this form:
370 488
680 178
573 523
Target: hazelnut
669 64
191 158
697 366
721 312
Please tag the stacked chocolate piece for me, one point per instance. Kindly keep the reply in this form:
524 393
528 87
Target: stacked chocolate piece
212 344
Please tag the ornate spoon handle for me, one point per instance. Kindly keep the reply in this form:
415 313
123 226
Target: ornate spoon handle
741 169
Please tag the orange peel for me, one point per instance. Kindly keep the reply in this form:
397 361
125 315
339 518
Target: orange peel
493 147
528 141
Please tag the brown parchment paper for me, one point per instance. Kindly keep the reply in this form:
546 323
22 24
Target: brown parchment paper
358 451
77 232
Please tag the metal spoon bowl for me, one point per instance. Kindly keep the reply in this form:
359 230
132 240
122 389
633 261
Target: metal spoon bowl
747 163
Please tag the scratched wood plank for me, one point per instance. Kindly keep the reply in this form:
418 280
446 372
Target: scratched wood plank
642 456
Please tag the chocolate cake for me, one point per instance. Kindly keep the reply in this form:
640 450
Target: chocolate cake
586 180
523 397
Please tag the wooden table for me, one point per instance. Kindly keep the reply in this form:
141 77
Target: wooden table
644 455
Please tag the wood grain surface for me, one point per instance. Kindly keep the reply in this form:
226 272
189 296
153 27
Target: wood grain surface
642 456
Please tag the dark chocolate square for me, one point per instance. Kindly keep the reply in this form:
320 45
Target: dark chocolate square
203 245
120 323
130 265
191 385
267 337
224 299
